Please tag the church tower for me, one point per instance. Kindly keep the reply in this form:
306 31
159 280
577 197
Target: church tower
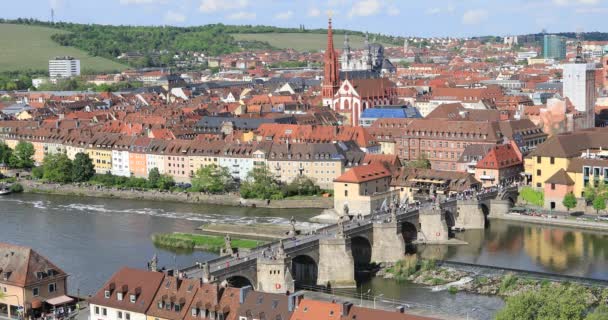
331 72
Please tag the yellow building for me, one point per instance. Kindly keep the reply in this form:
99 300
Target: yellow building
567 163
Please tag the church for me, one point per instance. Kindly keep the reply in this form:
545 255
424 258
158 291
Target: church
359 85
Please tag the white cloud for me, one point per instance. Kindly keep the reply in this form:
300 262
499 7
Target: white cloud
438 10
314 12
575 2
222 5
284 15
128 2
474 16
174 17
363 8
241 15
393 11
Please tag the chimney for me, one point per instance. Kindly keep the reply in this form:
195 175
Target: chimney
346 308
243 293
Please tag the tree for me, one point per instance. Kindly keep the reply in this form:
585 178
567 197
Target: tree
599 203
5 154
153 178
569 201
57 168
83 168
600 313
165 182
260 184
559 302
421 163
302 186
211 178
22 156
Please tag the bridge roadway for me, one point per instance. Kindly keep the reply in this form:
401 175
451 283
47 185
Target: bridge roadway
232 264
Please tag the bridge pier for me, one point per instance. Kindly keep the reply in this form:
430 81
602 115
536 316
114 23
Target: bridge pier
388 242
433 227
470 215
274 276
499 206
336 263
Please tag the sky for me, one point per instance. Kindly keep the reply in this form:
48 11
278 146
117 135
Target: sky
428 18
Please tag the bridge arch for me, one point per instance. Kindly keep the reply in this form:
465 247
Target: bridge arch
486 212
361 249
409 232
304 270
239 281
450 219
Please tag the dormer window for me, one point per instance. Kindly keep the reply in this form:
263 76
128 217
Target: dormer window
160 304
194 312
107 294
132 298
119 296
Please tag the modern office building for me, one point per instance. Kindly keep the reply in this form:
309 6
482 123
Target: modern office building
64 67
554 47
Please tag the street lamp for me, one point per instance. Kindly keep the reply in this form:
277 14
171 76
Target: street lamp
378 296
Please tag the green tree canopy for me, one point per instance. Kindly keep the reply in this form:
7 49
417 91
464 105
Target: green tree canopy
57 168
5 153
600 313
153 178
260 184
569 201
211 178
599 203
302 186
83 168
551 302
23 156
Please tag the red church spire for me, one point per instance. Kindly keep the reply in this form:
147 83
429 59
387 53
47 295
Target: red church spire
331 72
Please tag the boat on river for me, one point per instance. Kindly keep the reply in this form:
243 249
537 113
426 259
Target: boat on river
4 190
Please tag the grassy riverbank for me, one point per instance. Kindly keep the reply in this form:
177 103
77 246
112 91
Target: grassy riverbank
200 242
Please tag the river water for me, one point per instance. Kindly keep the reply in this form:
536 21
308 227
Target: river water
91 238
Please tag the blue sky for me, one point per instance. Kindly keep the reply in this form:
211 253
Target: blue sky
398 17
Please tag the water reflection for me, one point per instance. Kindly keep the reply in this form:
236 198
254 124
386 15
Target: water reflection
534 248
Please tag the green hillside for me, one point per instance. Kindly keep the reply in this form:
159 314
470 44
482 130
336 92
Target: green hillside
26 47
301 41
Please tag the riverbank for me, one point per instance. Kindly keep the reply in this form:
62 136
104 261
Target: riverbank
558 222
83 190
189 241
448 278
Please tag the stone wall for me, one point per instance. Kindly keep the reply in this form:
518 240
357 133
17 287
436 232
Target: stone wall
470 215
434 228
388 244
274 276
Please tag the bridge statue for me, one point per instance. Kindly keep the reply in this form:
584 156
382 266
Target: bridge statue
345 209
281 252
153 264
393 217
293 231
384 206
340 233
228 251
206 273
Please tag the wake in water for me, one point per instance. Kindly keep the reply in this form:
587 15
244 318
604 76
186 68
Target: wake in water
159 212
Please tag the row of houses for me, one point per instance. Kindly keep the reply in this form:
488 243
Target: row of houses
135 156
133 294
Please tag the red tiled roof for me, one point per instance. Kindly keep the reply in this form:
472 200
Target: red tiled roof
364 173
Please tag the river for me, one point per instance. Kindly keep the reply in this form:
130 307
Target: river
91 238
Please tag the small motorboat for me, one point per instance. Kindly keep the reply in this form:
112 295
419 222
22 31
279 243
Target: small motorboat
4 192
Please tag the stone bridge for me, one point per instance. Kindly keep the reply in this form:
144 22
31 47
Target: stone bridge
330 255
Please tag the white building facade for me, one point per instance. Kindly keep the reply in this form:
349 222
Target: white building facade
64 67
579 87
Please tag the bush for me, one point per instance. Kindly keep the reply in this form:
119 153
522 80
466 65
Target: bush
532 196
507 282
428 265
453 289
16 188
